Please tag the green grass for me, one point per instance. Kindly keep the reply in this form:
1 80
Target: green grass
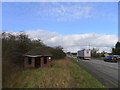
63 74
85 78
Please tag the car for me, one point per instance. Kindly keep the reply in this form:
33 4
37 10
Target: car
112 58
118 57
108 58
115 58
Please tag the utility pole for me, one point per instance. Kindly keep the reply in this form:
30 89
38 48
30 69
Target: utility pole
89 45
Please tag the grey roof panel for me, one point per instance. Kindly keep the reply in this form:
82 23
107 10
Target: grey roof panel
38 52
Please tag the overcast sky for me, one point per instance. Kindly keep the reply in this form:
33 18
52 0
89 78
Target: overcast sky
74 26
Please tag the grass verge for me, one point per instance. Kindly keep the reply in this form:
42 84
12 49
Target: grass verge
64 73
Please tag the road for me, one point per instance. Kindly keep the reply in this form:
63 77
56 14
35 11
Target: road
105 72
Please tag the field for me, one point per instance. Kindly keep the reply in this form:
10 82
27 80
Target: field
64 73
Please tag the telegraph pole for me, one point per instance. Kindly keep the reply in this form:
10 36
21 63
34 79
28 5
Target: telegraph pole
89 45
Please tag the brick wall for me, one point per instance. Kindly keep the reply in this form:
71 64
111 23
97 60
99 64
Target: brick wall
48 62
42 62
27 65
32 65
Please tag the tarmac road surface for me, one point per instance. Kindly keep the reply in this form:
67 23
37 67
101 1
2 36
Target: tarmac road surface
105 72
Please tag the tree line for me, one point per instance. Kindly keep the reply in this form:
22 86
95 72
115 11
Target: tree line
14 46
116 50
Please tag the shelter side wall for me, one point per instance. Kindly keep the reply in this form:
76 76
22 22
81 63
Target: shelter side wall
33 62
42 61
48 62
27 65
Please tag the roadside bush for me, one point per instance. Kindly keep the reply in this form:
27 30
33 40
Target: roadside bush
102 55
56 52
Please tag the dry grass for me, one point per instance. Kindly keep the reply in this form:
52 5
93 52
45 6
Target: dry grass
63 74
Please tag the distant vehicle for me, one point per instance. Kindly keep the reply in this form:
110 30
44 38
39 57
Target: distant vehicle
84 54
118 57
113 58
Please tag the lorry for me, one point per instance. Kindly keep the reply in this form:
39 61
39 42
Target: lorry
84 54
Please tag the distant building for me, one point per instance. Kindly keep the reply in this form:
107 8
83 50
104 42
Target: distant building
36 58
